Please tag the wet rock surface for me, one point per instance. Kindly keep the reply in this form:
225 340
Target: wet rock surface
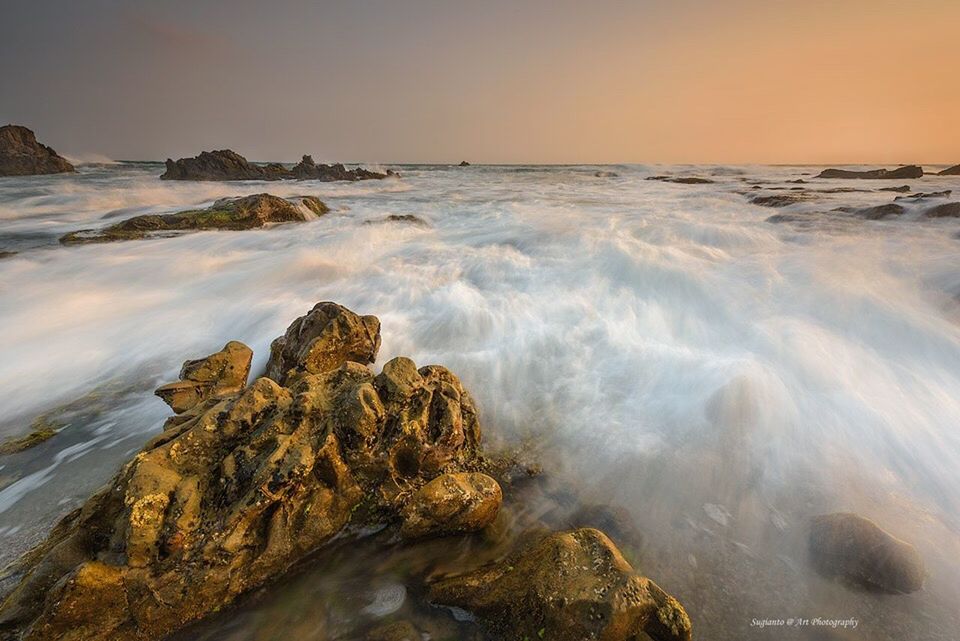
683 180
242 486
22 155
900 173
224 372
950 171
859 551
946 210
408 219
781 200
226 164
235 214
452 504
568 586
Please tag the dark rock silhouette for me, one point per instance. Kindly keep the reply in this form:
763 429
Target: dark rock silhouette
900 173
226 164
22 155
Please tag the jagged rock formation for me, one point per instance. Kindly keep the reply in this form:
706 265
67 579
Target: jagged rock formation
859 551
247 212
242 485
950 171
900 173
22 155
569 586
225 164
224 372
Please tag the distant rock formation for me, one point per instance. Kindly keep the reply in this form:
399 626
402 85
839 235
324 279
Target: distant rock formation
22 155
463 163
225 164
409 219
946 210
950 171
902 189
247 212
900 173
858 550
683 180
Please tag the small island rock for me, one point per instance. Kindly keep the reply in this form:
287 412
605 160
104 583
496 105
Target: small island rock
22 155
900 173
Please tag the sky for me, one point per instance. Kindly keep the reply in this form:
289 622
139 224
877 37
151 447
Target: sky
509 81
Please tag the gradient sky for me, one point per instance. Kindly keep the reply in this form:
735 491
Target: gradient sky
493 81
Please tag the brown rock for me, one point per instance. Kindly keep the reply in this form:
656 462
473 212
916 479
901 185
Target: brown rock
226 164
323 339
247 212
22 155
224 372
452 504
950 171
566 587
946 210
241 487
858 550
683 180
900 173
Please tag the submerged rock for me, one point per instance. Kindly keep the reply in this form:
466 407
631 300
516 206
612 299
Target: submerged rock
946 210
926 195
683 180
409 219
224 372
226 164
246 212
858 550
908 171
242 486
606 174
902 189
878 212
780 200
22 155
569 586
950 171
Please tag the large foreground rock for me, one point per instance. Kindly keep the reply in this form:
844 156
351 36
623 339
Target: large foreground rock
22 155
241 486
858 550
247 212
570 586
225 164
950 171
900 173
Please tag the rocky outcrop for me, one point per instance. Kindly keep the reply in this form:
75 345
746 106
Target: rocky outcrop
22 155
781 200
902 189
569 586
946 210
243 485
950 171
878 212
926 195
247 212
226 164
859 551
224 372
900 173
683 180
463 163
408 219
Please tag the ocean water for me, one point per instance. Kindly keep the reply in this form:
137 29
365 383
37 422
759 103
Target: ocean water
714 378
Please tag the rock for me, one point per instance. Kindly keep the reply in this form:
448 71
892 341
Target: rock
224 372
396 631
879 212
946 210
22 155
463 163
925 196
244 486
41 430
683 180
6 254
247 212
902 189
452 504
226 164
398 218
566 587
323 339
780 200
900 173
606 174
950 171
856 549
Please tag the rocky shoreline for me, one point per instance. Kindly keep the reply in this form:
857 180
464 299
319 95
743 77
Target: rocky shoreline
226 164
247 480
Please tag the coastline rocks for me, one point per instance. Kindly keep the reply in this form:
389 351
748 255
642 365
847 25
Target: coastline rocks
224 372
452 504
226 164
246 212
900 173
22 155
926 195
857 549
683 180
950 171
326 336
463 163
566 587
780 200
878 212
239 488
946 210
902 189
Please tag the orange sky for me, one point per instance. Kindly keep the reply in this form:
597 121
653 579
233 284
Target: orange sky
738 81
